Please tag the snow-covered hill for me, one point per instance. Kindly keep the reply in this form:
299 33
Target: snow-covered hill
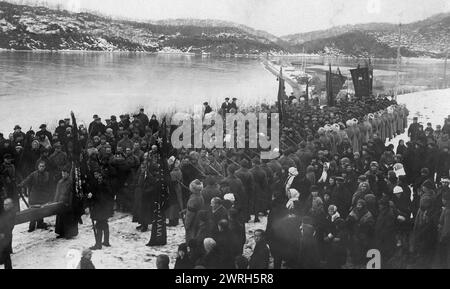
28 28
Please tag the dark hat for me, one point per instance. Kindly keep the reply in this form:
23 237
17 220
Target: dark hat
57 144
17 127
8 157
67 119
244 163
205 103
43 126
234 98
95 116
227 98
113 117
415 118
61 121
141 109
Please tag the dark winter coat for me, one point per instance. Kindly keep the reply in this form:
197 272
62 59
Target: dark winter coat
260 257
102 201
39 187
385 230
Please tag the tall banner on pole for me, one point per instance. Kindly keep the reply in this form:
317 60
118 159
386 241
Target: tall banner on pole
361 82
335 82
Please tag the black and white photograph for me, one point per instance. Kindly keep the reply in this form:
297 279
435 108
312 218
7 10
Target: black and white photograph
224 134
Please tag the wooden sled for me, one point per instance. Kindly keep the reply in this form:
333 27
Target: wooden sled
36 213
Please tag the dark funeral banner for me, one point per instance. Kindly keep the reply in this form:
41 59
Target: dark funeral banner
335 82
361 81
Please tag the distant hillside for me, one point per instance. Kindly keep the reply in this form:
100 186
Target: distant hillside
430 37
355 43
28 28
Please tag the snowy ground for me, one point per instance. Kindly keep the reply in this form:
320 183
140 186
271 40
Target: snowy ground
41 249
429 106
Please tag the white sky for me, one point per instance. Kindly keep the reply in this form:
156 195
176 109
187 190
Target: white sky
279 17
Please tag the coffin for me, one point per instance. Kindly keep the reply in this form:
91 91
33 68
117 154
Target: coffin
36 213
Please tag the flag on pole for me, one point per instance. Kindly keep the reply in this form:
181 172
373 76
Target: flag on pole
159 230
361 81
335 82
281 94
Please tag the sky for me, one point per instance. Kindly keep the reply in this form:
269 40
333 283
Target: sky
279 17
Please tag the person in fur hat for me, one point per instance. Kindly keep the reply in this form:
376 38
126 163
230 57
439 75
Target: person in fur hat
194 205
361 225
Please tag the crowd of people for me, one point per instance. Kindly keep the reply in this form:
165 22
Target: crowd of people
335 192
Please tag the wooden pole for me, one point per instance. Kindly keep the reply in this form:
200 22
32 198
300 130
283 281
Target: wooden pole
398 60
445 69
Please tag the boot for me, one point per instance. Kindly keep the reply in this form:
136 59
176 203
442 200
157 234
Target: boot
144 228
32 226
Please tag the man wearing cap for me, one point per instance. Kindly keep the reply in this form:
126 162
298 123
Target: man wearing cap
96 127
57 160
38 185
413 129
143 118
226 106
18 135
233 104
44 131
114 125
91 125
206 108
61 130
8 180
